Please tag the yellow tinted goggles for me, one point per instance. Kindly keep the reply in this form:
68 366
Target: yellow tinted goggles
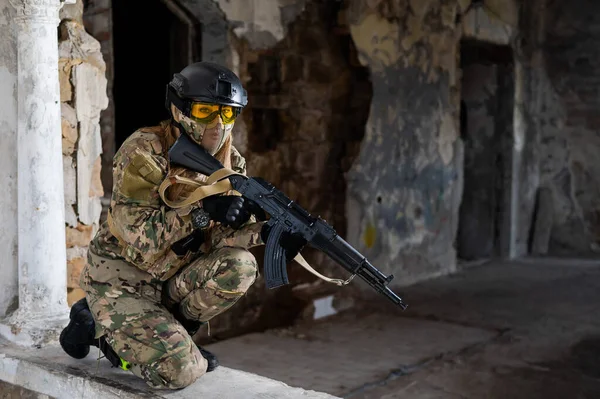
206 113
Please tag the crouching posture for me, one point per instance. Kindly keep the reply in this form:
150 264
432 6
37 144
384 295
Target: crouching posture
156 273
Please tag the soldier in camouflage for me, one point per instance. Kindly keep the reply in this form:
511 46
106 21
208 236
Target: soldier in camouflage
155 274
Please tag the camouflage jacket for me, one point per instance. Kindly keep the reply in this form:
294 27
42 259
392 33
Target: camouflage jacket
144 227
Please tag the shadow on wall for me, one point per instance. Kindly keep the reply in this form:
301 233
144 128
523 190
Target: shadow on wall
487 132
151 43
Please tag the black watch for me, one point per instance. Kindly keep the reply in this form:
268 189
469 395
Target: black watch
200 218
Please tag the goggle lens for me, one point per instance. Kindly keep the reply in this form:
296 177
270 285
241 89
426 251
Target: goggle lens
206 113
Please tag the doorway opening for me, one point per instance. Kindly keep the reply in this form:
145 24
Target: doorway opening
151 43
486 125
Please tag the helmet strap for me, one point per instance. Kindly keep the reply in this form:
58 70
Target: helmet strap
185 106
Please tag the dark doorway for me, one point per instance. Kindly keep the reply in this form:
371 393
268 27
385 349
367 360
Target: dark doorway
486 130
152 40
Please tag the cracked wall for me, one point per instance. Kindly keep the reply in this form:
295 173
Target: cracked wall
82 93
8 162
83 88
487 101
404 189
308 103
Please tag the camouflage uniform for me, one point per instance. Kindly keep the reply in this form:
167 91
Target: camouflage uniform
133 276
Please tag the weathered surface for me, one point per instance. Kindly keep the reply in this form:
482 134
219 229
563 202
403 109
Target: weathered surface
70 177
51 372
570 143
41 236
544 220
547 345
309 100
97 19
9 391
69 128
347 355
308 103
90 99
8 162
527 331
83 77
404 189
72 11
216 45
493 21
476 234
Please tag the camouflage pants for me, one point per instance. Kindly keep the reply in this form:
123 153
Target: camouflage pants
129 307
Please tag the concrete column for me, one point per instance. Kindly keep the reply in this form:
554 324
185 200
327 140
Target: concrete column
42 308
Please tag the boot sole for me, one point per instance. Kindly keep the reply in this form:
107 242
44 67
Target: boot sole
75 351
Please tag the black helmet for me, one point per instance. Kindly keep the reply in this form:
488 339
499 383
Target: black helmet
205 82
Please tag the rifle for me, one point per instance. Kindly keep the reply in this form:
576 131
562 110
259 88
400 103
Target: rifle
285 216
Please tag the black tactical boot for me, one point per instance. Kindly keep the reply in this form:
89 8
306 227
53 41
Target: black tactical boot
210 357
192 327
77 337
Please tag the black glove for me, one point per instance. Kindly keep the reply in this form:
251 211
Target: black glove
190 243
230 210
291 242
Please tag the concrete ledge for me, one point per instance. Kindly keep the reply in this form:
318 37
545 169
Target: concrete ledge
51 372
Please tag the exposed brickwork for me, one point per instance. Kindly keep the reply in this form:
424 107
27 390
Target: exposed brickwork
570 140
308 103
82 85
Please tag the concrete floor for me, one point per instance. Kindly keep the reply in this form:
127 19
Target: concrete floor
527 329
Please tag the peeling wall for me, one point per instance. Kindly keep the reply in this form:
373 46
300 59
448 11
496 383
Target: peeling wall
492 21
83 89
8 162
477 209
487 102
262 23
396 193
308 101
404 189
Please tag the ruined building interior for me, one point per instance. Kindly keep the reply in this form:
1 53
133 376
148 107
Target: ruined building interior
452 142
410 151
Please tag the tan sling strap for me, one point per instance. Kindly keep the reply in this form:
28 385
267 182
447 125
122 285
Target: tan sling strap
219 183
216 184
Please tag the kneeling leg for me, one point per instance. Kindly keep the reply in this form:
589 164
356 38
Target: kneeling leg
212 283
159 349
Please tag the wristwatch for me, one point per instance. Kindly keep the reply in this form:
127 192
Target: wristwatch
200 218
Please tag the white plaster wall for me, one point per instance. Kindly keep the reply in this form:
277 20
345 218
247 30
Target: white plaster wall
8 161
